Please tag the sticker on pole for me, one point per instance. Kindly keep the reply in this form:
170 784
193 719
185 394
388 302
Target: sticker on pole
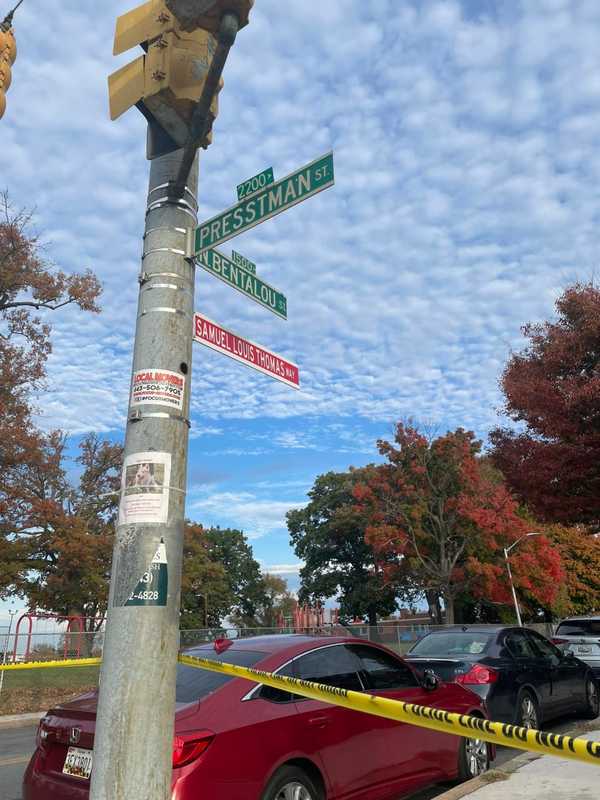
145 488
159 387
152 588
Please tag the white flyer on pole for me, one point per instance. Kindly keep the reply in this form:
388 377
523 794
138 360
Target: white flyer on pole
145 488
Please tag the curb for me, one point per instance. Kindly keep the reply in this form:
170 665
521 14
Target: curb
503 772
16 720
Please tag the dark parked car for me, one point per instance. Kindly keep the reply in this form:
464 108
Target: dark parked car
235 740
521 675
581 636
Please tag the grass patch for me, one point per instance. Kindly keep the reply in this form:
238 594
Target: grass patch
53 677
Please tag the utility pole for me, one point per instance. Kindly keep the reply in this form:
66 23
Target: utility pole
134 731
174 85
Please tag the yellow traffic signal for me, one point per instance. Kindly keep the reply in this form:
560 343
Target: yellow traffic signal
207 14
166 82
8 54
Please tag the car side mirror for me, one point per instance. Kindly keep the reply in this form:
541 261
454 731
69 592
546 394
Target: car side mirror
430 680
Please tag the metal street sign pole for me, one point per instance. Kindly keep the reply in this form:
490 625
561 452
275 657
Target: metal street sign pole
134 729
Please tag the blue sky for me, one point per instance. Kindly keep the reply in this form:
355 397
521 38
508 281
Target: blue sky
465 137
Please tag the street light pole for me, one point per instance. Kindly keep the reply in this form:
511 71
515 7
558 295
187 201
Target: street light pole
512 586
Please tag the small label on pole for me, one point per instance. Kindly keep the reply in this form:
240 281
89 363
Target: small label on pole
152 588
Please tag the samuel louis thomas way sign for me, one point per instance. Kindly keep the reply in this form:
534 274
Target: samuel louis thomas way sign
213 335
298 186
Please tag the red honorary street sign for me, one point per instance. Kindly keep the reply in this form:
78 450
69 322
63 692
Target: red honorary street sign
246 352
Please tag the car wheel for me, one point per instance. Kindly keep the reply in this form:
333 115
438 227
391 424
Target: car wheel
527 713
591 708
473 758
291 783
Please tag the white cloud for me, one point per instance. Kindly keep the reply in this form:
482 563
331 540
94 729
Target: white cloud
282 569
466 197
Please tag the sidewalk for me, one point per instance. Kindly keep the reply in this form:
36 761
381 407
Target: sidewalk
535 777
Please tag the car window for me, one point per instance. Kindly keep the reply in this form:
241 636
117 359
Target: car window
278 695
453 643
579 627
193 684
334 666
545 648
383 671
519 645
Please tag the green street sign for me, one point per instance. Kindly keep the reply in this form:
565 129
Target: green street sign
242 280
284 194
255 184
243 262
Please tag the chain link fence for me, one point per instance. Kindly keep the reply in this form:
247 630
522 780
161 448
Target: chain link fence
34 690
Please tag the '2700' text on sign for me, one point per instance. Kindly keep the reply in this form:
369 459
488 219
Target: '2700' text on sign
278 197
213 335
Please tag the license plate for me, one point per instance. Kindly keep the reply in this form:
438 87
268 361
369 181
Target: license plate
78 762
582 648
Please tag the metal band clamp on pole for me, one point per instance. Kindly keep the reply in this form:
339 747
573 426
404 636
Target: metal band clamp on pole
552 744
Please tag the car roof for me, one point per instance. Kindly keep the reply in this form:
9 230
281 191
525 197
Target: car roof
277 643
475 628
583 617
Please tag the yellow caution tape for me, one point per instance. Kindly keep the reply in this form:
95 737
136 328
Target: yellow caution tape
437 719
552 744
68 662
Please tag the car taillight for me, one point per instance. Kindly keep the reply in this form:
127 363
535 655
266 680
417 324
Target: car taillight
477 676
187 747
42 734
558 640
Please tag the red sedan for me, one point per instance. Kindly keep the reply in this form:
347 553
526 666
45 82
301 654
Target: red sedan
236 740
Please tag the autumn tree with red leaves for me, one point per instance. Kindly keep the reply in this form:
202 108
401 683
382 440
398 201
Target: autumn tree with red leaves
440 514
552 390
65 533
30 288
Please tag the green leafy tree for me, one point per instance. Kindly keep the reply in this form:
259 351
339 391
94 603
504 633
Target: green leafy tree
329 536
66 532
278 600
206 595
230 548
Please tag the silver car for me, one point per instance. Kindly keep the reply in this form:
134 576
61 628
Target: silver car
581 636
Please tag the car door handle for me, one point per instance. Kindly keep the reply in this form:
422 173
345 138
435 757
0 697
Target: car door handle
318 722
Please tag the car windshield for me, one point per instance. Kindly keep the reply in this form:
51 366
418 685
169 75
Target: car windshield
452 643
579 627
193 684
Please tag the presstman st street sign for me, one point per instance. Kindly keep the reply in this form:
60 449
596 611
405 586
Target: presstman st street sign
221 267
213 335
284 194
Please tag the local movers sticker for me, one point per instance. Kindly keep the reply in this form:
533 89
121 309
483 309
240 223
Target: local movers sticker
159 387
152 587
145 488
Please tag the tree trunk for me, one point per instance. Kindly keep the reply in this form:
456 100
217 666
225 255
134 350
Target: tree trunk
449 606
435 609
372 614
